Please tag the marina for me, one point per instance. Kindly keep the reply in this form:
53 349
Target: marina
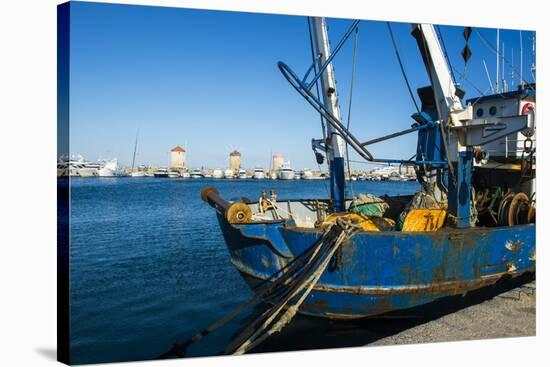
87 169
159 253
305 213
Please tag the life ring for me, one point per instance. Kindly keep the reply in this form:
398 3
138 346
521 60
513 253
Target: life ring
528 110
527 107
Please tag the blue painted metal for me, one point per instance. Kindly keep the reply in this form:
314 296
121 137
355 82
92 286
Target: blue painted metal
460 192
417 127
338 184
381 272
409 162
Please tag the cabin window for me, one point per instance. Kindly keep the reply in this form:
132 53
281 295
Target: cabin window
479 112
493 110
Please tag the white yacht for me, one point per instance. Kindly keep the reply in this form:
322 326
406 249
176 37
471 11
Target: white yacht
307 174
197 173
217 173
108 168
242 174
228 173
185 174
259 173
138 174
77 167
85 169
174 174
286 172
62 168
161 172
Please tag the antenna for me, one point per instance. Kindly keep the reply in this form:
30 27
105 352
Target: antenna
489 77
513 71
533 58
520 59
498 57
503 76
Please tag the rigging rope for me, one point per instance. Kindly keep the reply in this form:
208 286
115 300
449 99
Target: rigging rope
268 290
402 68
299 277
350 102
335 235
440 36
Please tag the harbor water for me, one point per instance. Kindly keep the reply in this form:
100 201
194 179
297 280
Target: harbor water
149 268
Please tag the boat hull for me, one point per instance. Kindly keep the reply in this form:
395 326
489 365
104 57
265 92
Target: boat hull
384 272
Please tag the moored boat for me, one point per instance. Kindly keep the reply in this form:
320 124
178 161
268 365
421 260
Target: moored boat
173 174
197 173
228 174
286 172
137 174
307 174
471 225
161 172
242 174
259 173
217 173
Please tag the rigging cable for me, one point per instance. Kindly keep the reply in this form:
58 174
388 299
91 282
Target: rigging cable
491 48
402 68
350 102
440 36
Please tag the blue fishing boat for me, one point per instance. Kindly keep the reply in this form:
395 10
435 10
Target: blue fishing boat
472 225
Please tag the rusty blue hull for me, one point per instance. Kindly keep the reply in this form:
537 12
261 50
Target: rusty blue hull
382 272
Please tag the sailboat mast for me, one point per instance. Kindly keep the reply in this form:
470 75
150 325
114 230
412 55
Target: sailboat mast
335 143
135 149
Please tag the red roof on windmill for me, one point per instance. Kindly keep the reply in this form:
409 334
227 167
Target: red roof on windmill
178 149
235 153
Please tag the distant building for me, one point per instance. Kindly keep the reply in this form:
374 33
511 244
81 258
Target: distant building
235 160
278 160
177 158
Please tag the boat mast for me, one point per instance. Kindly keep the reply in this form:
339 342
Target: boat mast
135 149
335 143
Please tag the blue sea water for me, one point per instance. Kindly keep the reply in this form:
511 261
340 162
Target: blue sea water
149 268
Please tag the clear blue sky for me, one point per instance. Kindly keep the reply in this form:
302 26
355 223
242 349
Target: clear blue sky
209 79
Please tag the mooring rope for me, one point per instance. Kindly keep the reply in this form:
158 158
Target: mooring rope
304 272
346 230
